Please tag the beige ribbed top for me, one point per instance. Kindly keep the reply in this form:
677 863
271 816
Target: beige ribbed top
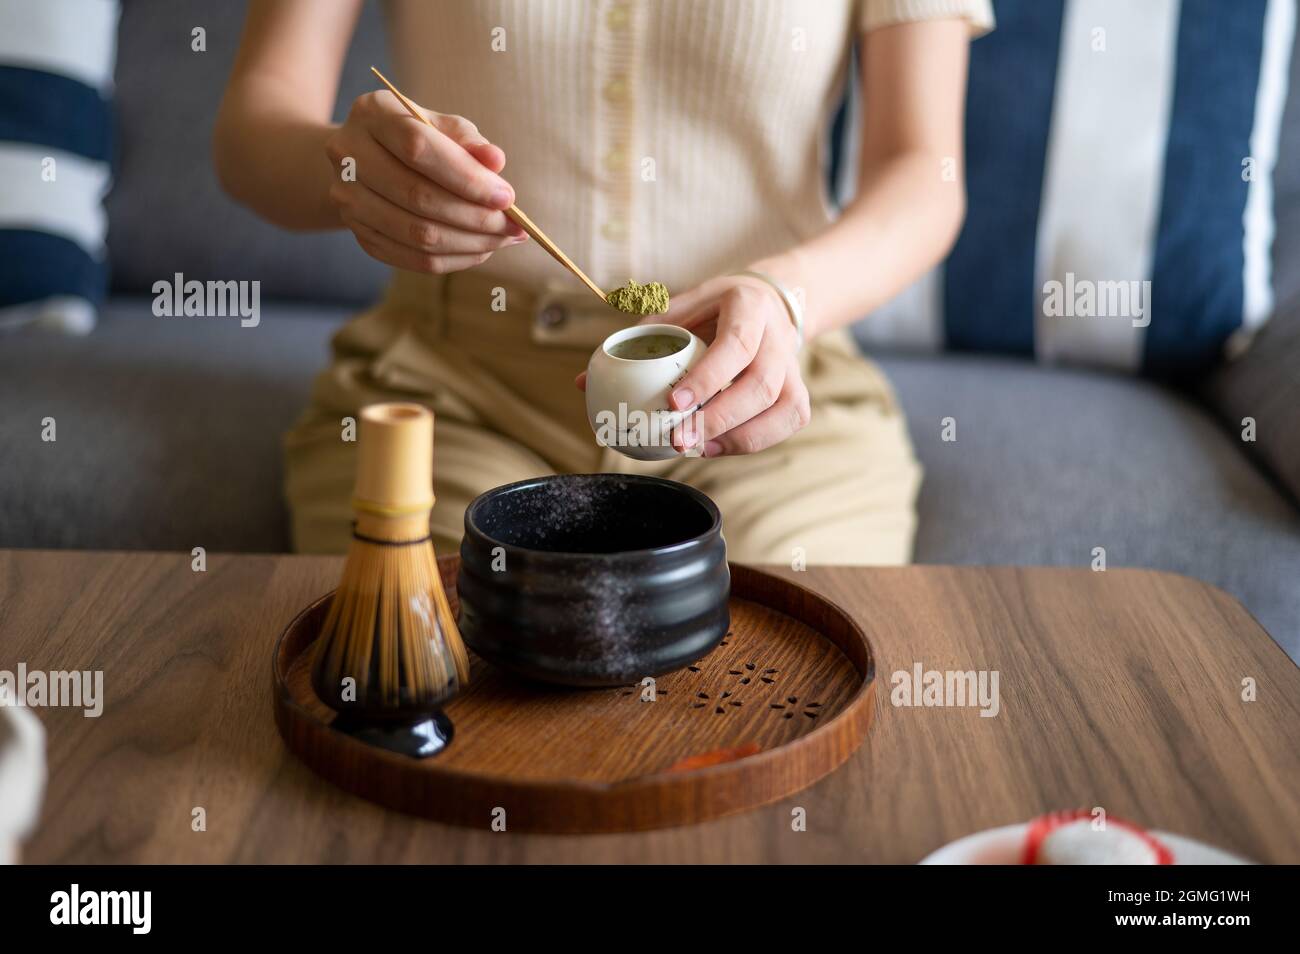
664 140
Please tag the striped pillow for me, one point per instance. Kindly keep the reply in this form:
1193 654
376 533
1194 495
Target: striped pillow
56 68
1119 171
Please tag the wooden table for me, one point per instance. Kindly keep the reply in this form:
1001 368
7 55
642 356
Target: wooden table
1120 689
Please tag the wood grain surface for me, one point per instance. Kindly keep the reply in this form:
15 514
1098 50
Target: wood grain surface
779 693
1120 689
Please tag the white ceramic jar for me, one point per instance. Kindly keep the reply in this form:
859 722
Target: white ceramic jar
627 398
22 777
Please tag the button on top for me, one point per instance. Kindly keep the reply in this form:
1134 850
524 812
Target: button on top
615 160
617 17
616 90
552 316
615 230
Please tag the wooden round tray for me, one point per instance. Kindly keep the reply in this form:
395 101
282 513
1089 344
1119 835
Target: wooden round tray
785 699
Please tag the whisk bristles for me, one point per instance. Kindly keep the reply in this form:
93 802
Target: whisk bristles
389 643
389 647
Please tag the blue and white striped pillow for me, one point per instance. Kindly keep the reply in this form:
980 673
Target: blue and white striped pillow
56 69
1111 143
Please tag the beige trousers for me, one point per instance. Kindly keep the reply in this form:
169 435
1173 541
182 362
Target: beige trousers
496 365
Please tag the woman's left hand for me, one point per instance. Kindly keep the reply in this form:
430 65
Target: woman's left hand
753 347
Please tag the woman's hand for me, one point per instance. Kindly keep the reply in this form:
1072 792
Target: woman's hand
753 346
423 199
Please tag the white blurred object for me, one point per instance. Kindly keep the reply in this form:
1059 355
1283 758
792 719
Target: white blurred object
67 315
64 314
1079 843
1003 846
74 38
22 777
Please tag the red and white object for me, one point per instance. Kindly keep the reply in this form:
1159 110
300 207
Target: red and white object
1076 838
1005 846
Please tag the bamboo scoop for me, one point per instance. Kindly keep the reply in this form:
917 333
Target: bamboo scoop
514 212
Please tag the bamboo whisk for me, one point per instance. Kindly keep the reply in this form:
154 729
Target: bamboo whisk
390 648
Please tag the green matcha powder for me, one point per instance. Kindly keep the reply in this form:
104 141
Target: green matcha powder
636 299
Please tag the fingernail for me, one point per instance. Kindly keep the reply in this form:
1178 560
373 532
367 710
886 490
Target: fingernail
712 449
502 197
682 398
516 239
690 436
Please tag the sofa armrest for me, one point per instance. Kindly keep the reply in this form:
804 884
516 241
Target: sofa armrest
1263 386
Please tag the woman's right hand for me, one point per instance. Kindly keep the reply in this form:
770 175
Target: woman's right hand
423 199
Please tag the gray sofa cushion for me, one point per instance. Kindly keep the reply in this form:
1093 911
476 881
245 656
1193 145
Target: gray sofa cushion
166 212
1264 384
1049 464
1286 201
168 430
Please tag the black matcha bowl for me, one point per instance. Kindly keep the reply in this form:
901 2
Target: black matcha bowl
593 579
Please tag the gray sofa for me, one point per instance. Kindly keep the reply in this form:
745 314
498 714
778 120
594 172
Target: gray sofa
169 429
